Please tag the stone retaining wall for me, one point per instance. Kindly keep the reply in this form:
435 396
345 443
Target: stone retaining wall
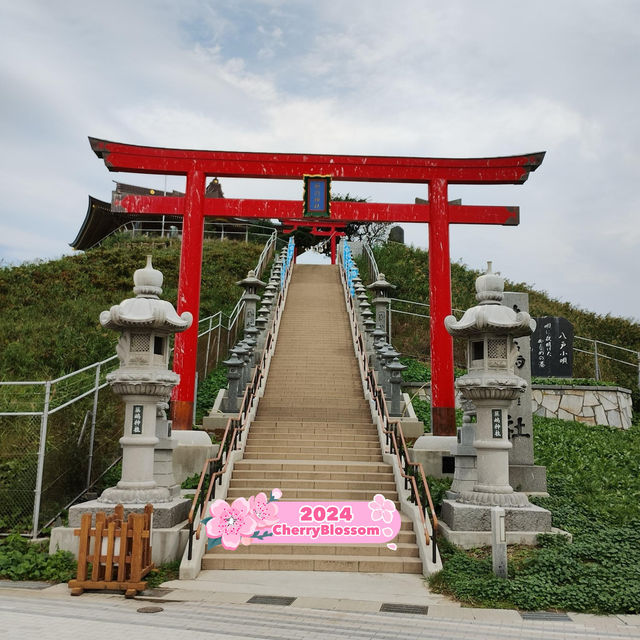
592 405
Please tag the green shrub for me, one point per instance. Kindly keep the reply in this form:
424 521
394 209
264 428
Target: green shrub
594 484
163 573
208 391
24 560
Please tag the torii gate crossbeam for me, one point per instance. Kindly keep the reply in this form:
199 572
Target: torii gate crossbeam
438 173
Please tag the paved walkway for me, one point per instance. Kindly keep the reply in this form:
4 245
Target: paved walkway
200 612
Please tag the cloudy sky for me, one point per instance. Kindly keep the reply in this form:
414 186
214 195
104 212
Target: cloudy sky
415 77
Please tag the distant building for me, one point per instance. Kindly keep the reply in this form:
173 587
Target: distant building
105 218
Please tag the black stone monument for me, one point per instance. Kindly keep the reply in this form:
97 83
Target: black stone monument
552 348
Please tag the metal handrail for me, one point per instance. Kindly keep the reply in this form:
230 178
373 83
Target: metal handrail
217 466
393 429
373 264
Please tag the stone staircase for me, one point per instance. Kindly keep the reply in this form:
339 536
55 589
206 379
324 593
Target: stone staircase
313 436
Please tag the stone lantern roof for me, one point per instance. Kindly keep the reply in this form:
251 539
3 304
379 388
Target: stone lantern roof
146 310
490 316
381 285
251 281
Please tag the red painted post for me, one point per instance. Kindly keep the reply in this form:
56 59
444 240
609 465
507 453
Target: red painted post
186 344
443 414
333 248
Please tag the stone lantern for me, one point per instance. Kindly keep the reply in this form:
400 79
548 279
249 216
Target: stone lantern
395 368
143 380
250 284
492 385
262 321
234 372
369 327
381 302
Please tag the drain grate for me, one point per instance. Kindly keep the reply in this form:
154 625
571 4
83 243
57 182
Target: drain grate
546 616
283 601
416 609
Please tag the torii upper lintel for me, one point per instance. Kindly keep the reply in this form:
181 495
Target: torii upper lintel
292 166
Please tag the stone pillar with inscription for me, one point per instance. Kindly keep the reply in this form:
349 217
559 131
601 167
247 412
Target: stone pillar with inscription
524 475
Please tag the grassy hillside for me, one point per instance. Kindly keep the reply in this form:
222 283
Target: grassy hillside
49 319
408 269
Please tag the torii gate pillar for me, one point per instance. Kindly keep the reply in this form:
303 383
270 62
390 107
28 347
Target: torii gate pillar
443 406
185 353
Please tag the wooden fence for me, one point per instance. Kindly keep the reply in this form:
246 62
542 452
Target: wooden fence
115 554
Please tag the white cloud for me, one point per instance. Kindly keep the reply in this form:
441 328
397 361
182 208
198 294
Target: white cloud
364 77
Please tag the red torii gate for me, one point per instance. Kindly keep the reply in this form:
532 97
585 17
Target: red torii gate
438 173
327 229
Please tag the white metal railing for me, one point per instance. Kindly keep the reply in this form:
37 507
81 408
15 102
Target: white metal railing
595 352
173 229
371 260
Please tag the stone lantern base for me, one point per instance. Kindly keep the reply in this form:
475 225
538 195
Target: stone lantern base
469 525
165 514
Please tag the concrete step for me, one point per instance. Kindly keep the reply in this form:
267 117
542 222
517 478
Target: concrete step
310 456
314 402
307 466
312 494
404 550
306 562
322 485
275 439
338 448
309 427
379 479
318 414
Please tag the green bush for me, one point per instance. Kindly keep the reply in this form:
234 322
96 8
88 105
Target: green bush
573 382
208 391
594 484
24 560
79 287
163 573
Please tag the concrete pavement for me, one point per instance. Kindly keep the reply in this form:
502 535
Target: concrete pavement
338 606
